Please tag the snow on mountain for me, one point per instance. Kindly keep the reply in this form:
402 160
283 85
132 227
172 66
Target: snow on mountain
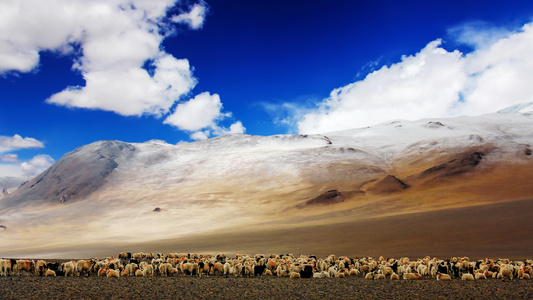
111 191
520 107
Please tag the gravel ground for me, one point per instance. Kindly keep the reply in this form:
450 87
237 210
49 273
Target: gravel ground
180 287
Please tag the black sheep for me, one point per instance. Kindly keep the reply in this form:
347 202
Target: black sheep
442 268
307 272
259 270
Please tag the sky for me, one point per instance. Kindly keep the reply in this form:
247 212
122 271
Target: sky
73 72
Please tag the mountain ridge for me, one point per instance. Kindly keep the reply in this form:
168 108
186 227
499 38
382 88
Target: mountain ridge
109 190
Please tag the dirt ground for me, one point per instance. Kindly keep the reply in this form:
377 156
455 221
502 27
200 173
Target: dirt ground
494 231
181 287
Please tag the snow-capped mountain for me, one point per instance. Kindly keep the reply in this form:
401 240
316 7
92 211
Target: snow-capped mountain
120 193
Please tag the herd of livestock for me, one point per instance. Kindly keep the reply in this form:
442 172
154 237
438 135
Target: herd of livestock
303 266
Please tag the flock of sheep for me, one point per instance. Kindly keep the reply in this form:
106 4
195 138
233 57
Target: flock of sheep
303 266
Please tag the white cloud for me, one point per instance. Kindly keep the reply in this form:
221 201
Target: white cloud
132 91
199 135
197 113
433 83
201 116
12 158
12 166
36 165
116 39
116 47
18 142
195 18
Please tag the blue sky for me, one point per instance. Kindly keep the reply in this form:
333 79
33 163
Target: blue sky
75 72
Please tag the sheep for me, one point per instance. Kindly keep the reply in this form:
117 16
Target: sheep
365 269
307 272
203 268
85 267
525 276
50 273
112 273
218 268
40 267
28 266
332 271
423 270
69 268
139 273
386 271
259 270
138 256
467 277
102 272
404 269
354 272
394 276
369 275
4 267
411 276
227 268
379 277
480 275
164 269
188 268
148 271
294 275
441 276
505 273
339 275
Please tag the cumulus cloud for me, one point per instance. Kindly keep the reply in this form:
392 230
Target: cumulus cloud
433 83
197 113
36 165
116 46
195 18
200 116
16 142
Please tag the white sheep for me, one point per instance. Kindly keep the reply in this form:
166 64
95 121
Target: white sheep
411 276
4 267
227 268
441 276
148 271
467 277
70 268
354 272
112 273
387 271
295 275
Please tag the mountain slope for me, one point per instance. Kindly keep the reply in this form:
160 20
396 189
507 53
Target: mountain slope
145 194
